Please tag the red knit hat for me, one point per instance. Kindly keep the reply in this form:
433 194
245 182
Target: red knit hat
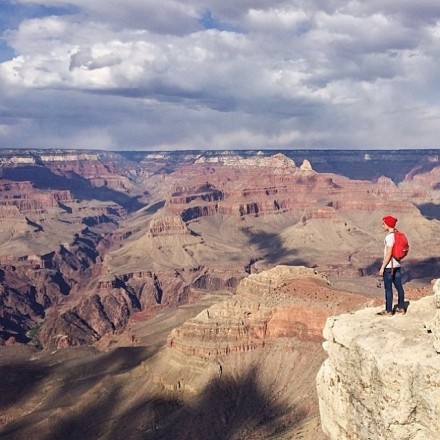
390 221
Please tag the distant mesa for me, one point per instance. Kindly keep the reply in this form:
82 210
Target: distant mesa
18 159
276 161
34 158
69 157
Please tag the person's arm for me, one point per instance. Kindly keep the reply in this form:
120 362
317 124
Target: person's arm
386 259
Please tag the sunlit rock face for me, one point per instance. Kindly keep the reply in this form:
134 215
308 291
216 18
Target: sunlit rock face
254 186
434 326
277 161
23 199
381 379
167 225
283 302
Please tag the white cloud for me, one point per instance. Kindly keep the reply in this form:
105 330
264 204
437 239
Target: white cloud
215 74
276 20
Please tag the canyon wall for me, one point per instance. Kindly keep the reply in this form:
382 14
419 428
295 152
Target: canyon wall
196 220
381 379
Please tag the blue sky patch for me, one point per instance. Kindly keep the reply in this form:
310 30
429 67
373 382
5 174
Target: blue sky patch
6 52
12 13
210 22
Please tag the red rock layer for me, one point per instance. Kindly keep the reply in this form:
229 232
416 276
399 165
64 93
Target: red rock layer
282 302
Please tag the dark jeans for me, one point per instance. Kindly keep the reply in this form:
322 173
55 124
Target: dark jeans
388 280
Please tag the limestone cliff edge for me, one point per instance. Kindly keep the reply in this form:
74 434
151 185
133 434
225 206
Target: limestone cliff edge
381 379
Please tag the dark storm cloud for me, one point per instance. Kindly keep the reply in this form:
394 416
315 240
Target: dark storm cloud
198 74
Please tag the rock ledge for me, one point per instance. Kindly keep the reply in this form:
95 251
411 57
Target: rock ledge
382 376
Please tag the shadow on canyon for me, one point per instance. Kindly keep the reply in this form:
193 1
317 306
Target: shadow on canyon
429 268
89 403
273 249
231 408
80 188
21 379
430 210
426 269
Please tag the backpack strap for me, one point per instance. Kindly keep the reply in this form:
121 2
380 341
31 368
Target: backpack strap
392 258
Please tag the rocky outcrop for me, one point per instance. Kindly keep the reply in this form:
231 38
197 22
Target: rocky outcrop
285 301
306 166
278 160
28 200
213 280
32 284
167 225
434 326
106 308
382 376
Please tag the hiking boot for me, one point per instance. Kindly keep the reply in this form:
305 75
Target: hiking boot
385 313
400 311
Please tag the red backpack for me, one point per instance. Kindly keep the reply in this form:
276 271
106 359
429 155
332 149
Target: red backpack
401 245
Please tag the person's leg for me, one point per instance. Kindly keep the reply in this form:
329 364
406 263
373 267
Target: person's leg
388 286
397 281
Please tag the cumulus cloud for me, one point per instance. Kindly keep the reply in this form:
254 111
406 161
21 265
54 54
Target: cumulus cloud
189 74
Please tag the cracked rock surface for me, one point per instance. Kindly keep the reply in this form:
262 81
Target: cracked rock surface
381 379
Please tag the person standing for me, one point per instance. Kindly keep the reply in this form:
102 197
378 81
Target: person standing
390 270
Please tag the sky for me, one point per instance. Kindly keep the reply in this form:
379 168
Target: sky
219 74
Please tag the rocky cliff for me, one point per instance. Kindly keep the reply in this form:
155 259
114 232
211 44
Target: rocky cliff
382 376
284 301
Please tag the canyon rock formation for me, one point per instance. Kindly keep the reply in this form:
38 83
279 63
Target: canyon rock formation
90 238
285 301
381 379
434 326
227 365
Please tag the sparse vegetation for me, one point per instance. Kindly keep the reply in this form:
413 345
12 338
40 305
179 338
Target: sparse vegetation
33 333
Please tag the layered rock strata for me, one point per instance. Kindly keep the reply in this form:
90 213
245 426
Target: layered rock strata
270 330
217 214
105 307
277 161
382 376
285 301
257 186
166 225
32 284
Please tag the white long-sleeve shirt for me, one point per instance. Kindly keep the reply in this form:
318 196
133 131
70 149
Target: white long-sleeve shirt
389 242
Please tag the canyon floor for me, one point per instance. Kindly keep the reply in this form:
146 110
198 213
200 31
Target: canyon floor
127 386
